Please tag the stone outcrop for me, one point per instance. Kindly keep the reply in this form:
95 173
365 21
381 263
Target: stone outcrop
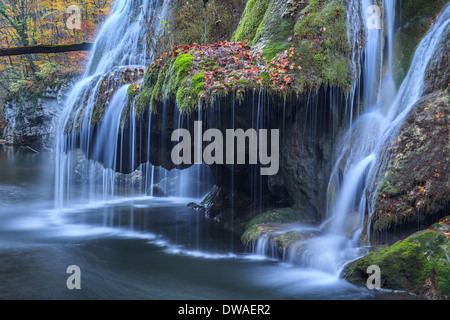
419 264
32 110
415 187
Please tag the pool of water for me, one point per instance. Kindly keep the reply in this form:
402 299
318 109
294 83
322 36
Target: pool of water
133 247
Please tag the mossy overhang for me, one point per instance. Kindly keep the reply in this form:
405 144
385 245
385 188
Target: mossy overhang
279 47
317 29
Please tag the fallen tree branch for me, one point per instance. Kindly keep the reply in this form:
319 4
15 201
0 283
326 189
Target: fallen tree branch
28 147
82 46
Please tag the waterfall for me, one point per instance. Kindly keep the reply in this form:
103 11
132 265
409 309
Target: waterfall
121 52
97 122
338 240
360 153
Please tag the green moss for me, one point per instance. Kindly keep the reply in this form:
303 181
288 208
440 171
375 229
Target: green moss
324 34
314 4
194 22
169 81
132 91
188 96
252 234
142 101
409 264
285 215
243 82
318 33
271 50
252 17
182 65
405 44
156 90
415 18
415 8
198 82
265 76
274 27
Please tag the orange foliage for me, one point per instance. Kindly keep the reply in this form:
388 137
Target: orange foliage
33 22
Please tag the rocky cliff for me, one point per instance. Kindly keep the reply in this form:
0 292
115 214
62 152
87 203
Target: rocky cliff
32 107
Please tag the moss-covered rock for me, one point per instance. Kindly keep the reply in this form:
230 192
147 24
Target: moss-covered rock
194 21
196 74
415 186
32 106
252 17
317 30
290 50
108 85
275 216
50 78
277 226
414 19
419 264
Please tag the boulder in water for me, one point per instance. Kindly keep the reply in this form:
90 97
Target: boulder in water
419 264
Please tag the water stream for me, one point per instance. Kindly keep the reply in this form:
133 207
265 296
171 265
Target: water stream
360 154
132 248
131 244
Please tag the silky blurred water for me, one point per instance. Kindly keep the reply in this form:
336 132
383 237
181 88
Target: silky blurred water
132 248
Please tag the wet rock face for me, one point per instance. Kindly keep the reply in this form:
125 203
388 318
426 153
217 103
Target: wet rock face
438 71
415 187
304 171
33 123
305 163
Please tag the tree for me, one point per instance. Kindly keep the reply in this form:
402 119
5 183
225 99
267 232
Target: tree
39 32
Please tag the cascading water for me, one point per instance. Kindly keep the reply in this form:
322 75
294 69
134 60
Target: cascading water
361 150
120 52
124 46
360 153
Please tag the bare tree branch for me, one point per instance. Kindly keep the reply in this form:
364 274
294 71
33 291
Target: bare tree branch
83 46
